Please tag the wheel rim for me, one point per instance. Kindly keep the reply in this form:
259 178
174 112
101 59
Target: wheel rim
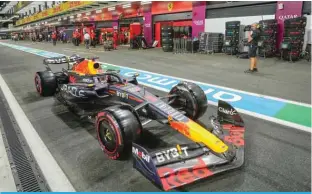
107 136
38 84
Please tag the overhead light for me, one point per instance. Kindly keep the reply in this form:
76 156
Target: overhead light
145 2
111 9
126 5
71 17
98 11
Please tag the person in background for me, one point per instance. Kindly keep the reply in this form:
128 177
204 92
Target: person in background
253 38
87 38
74 37
54 38
115 39
64 38
105 36
92 35
40 37
102 38
77 37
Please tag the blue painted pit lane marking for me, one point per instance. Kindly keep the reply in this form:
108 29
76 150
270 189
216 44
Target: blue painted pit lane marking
32 50
259 106
243 101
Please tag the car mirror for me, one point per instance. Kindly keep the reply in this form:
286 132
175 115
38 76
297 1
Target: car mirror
136 75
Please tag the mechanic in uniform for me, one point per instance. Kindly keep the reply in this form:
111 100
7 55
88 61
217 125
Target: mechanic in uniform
74 37
92 35
77 37
54 38
115 39
253 37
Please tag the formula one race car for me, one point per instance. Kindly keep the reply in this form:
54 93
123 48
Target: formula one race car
120 109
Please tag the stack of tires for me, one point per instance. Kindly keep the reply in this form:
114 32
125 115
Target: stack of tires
180 31
231 43
210 42
293 39
167 38
267 42
215 42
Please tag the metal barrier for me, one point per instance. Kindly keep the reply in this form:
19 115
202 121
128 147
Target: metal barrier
180 45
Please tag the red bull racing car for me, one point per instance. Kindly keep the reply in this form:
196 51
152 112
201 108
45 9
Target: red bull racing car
120 109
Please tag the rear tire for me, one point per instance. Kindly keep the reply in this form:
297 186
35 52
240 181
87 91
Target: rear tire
191 98
117 127
45 83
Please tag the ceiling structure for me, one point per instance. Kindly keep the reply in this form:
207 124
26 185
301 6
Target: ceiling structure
5 6
6 18
97 5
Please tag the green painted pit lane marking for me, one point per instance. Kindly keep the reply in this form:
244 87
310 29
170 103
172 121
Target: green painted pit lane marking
296 114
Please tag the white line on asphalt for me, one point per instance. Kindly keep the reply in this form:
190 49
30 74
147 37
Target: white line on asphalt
83 52
53 174
7 183
231 89
256 115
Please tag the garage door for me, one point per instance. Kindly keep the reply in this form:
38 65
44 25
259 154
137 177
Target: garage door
306 7
239 11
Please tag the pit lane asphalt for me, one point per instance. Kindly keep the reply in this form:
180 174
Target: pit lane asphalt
277 158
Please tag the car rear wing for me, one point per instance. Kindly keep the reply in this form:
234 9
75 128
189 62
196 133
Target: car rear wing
61 60
180 165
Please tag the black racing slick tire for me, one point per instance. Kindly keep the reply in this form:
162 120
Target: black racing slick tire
45 83
117 127
190 98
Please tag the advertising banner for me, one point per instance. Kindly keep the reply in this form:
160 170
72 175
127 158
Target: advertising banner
105 15
134 11
147 29
199 16
53 11
115 22
162 7
286 10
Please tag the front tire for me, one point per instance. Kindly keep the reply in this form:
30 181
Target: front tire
190 98
117 128
45 83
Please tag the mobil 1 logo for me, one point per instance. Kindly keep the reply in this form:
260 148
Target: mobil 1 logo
141 154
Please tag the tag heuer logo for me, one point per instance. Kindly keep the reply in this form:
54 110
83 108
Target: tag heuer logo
170 6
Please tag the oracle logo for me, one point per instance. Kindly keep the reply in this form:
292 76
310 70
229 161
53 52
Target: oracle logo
199 22
285 17
172 178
